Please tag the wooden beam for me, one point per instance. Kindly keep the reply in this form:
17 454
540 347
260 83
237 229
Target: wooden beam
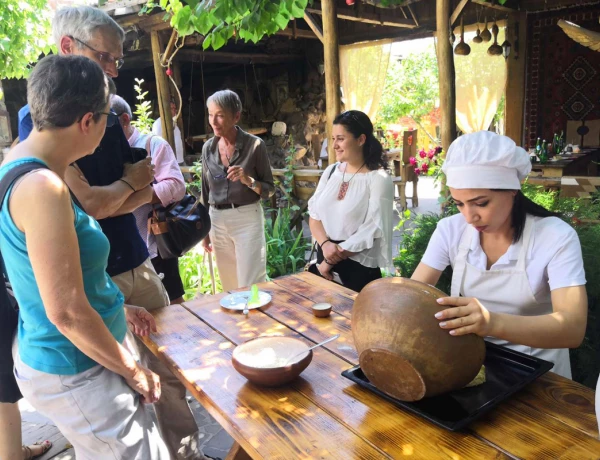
367 18
412 13
158 21
332 68
511 6
300 33
447 75
241 58
310 20
457 11
514 111
162 88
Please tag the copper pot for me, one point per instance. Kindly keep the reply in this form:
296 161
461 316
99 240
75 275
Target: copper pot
402 349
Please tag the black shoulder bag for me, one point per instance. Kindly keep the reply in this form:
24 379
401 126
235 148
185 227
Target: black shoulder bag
180 226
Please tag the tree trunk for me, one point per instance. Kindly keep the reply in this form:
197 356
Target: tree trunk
162 88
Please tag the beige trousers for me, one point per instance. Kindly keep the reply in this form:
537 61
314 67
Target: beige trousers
142 287
238 240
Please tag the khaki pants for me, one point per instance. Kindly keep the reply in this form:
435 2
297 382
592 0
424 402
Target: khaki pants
95 410
238 240
142 287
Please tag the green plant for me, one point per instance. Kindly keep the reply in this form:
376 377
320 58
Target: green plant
221 20
25 33
195 274
286 247
143 120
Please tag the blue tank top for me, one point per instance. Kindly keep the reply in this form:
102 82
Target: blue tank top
41 345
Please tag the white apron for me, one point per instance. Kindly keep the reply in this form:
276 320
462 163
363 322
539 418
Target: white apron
506 291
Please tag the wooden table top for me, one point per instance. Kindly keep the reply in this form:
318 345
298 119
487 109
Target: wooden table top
323 415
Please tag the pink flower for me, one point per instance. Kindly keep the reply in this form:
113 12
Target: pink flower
424 168
431 154
413 161
422 153
417 171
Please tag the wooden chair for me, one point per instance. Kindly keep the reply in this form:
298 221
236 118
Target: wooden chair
404 171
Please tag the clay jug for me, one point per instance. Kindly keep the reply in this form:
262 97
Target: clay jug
402 349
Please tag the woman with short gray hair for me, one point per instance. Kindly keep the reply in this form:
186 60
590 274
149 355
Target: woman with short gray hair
236 175
69 358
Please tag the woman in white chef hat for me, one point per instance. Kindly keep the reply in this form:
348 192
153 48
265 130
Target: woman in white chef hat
518 275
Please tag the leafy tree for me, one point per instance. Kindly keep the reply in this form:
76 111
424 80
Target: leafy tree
25 33
220 20
411 88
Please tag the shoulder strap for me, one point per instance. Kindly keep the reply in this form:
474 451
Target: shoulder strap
332 171
18 171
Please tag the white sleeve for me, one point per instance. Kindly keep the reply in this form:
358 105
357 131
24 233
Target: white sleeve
312 203
378 219
157 127
566 266
437 254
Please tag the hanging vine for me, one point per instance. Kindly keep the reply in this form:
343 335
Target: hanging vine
220 20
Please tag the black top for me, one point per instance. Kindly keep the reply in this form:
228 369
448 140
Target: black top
103 167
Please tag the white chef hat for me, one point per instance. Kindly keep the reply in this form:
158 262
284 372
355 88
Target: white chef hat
485 160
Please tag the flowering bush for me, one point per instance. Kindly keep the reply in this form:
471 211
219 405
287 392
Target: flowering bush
427 163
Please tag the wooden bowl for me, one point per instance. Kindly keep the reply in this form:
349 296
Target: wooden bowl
321 310
402 349
262 359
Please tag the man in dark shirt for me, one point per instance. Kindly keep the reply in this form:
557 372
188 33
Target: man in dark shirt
110 186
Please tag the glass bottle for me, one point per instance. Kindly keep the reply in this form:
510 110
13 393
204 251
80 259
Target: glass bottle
544 152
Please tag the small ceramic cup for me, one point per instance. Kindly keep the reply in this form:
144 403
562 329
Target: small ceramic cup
321 310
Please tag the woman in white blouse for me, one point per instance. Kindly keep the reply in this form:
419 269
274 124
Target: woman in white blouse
518 276
351 210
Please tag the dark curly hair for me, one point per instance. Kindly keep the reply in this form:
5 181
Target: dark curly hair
357 123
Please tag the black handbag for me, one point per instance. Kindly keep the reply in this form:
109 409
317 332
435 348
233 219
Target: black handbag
179 227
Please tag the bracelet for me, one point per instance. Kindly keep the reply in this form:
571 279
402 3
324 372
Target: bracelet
323 243
327 262
130 186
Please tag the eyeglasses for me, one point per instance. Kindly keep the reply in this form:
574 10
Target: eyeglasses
111 118
101 55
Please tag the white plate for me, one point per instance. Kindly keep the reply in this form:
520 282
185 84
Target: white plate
237 300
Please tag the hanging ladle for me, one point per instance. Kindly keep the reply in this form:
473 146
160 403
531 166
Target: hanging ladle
485 35
462 49
495 49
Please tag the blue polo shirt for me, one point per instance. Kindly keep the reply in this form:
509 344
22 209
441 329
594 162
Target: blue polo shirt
103 167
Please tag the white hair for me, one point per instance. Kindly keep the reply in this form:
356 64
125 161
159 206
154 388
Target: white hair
120 106
81 22
227 100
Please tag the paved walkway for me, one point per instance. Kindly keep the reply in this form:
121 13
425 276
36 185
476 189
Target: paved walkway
216 442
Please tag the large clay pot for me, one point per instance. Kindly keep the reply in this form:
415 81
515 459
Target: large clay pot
402 349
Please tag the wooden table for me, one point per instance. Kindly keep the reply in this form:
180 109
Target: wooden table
323 415
578 164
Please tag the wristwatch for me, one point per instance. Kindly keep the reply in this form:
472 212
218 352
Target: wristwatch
253 183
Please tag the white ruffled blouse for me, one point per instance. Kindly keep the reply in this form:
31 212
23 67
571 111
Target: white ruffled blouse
363 219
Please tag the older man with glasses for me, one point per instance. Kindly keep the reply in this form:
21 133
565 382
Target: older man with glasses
111 185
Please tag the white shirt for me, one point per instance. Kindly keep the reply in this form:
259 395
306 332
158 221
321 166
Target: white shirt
554 258
157 130
363 219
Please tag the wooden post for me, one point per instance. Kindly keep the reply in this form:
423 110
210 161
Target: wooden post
332 68
447 75
515 79
162 88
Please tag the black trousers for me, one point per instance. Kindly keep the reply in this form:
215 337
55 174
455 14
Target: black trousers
353 275
9 391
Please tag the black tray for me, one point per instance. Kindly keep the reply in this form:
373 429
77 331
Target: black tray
507 371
